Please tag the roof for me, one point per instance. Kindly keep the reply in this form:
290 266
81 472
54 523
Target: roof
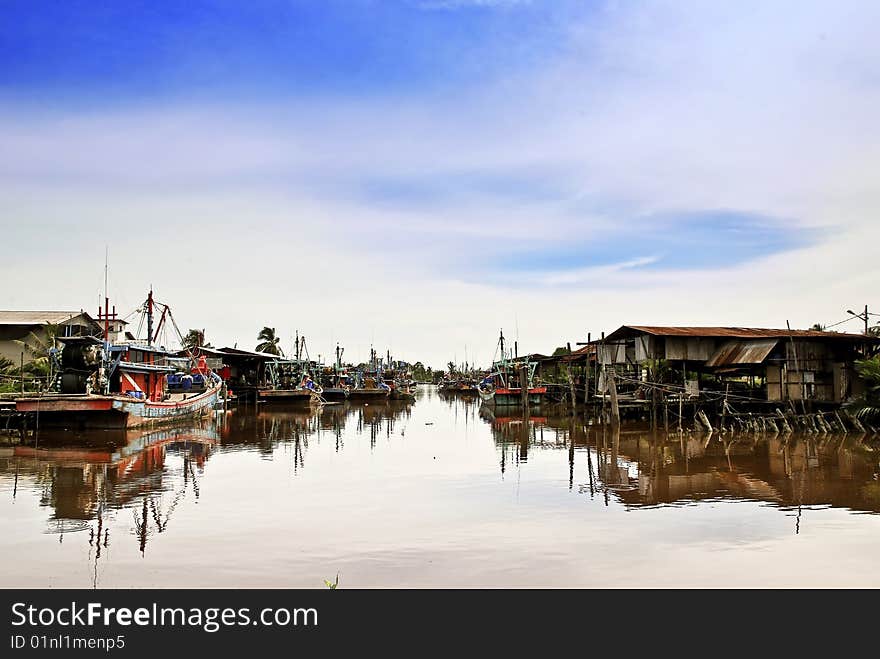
40 317
733 333
250 353
742 352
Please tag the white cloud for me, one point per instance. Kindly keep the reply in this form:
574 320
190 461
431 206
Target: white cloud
249 215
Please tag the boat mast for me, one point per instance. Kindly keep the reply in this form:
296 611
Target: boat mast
150 318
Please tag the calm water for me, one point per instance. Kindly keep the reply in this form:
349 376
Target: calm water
437 493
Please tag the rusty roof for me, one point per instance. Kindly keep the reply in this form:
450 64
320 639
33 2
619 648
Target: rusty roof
733 333
40 317
751 351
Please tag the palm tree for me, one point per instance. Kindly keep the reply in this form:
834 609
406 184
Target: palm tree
867 406
195 338
38 349
269 342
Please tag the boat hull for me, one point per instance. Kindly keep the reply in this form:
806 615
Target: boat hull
368 394
513 397
334 393
89 411
289 396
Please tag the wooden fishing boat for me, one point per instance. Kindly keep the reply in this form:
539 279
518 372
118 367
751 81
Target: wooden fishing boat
368 389
504 386
100 385
288 381
335 381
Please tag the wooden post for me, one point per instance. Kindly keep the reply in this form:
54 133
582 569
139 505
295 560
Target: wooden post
665 414
21 373
587 375
680 409
612 389
571 382
724 406
524 386
786 428
701 415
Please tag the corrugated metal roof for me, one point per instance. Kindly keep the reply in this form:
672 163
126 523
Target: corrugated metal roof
39 317
249 353
733 332
753 351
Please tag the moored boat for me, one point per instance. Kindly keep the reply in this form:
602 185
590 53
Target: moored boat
503 387
100 385
288 381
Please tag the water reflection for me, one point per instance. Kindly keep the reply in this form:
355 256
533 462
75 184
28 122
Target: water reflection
398 484
643 468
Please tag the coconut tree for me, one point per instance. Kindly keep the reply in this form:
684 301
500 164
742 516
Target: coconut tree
195 338
867 406
269 342
37 348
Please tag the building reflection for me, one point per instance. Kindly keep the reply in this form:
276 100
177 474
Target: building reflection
639 468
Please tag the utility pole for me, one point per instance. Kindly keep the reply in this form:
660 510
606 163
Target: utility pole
863 316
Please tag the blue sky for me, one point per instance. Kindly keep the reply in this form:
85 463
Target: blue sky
444 161
274 48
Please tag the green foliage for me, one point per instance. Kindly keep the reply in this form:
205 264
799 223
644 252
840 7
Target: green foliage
332 585
867 406
269 342
195 338
422 373
561 350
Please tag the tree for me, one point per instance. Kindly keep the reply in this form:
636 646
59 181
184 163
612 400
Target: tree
561 350
38 349
195 338
867 406
269 342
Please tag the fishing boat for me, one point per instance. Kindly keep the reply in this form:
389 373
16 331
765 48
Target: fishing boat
99 385
398 376
503 387
289 381
369 387
335 380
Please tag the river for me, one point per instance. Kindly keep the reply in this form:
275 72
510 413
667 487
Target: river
438 493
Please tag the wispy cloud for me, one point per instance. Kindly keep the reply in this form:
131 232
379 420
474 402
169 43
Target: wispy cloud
626 153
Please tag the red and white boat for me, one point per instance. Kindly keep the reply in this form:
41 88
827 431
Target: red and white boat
101 385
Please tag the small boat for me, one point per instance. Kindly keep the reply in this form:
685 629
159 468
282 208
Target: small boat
503 386
99 385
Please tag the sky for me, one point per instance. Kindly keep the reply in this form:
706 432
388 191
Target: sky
418 174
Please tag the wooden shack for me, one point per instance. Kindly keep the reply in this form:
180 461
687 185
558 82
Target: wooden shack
772 364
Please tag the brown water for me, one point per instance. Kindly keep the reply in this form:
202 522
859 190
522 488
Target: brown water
437 493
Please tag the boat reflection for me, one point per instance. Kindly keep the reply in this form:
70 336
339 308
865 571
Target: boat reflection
641 469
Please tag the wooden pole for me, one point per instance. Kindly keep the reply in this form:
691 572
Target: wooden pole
524 386
665 414
615 409
571 382
587 375
680 409
724 406
21 373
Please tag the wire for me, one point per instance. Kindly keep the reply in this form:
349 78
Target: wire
841 322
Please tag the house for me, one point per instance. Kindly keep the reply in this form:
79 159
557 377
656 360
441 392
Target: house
770 364
27 332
